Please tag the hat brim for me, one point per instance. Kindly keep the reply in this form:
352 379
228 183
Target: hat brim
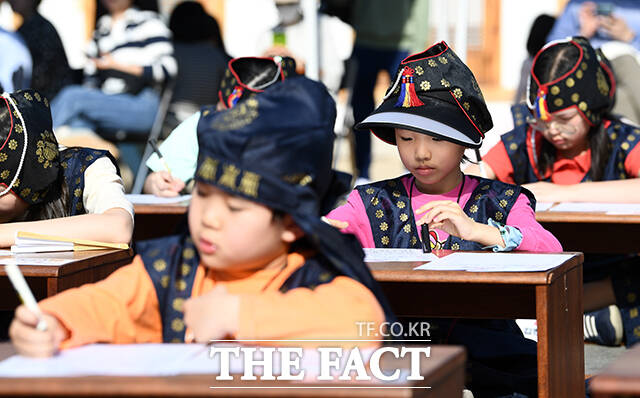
437 118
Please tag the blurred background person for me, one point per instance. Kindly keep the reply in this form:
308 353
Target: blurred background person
15 62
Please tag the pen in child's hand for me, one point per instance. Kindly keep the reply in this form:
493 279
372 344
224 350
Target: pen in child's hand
154 145
16 278
424 234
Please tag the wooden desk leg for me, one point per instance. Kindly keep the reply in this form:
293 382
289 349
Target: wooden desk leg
560 337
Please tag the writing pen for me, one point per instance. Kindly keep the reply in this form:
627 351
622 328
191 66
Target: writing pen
424 234
155 148
18 282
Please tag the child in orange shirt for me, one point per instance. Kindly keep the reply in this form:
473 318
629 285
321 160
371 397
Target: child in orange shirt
258 262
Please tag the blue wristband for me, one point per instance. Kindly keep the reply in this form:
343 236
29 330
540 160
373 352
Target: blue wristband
511 236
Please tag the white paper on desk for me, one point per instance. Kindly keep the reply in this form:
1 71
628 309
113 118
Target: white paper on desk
609 208
5 252
544 206
114 360
28 260
496 262
372 255
145 199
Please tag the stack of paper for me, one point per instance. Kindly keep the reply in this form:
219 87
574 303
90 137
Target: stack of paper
389 255
145 199
29 242
608 208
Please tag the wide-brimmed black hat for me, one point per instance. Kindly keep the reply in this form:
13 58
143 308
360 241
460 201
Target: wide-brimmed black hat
275 148
433 93
249 75
587 83
29 161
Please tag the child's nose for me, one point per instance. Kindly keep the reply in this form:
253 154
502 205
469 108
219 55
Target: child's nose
423 151
211 217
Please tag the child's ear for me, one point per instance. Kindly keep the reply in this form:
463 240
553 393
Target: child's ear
291 231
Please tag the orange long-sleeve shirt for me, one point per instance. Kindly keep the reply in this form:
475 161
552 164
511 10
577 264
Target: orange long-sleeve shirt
124 307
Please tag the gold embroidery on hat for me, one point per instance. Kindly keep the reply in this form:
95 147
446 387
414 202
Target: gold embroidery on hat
13 144
404 217
579 74
466 105
457 93
419 71
177 325
35 197
18 128
229 175
613 136
558 102
570 82
384 226
47 150
164 281
17 183
384 240
188 253
208 169
443 60
37 95
28 97
633 313
625 146
445 83
379 213
3 156
584 66
407 228
25 192
160 265
241 115
601 82
582 106
249 184
432 63
46 102
575 97
425 85
5 174
555 90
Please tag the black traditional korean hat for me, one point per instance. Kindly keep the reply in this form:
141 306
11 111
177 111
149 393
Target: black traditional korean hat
250 75
275 148
29 158
433 93
587 84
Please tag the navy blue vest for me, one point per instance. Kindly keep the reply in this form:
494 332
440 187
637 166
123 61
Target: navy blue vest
171 262
623 139
74 162
392 220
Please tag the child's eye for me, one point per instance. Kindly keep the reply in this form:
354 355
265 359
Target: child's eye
436 139
405 138
232 207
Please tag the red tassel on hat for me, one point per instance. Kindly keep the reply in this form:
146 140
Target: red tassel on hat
408 97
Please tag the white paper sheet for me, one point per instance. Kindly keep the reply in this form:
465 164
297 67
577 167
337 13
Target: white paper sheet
29 260
609 208
496 262
544 206
145 199
384 255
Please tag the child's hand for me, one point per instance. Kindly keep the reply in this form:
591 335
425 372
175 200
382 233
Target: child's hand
550 192
31 342
449 217
162 183
213 315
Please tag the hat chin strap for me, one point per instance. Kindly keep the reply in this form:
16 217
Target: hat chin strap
24 148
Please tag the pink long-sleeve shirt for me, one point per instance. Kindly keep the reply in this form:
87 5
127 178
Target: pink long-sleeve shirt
522 216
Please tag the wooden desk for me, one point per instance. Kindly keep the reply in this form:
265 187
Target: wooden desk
588 232
443 372
554 298
87 267
621 378
152 221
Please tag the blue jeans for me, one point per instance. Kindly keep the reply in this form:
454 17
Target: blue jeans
85 107
370 62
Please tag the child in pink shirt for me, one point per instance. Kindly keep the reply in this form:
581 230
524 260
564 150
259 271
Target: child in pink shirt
433 112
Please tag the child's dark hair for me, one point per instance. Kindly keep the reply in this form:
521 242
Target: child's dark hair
550 66
57 204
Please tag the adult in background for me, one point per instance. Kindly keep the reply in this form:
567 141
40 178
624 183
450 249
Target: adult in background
15 70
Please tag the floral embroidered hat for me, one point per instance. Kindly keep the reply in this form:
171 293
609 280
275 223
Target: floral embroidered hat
250 75
433 93
585 80
29 161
